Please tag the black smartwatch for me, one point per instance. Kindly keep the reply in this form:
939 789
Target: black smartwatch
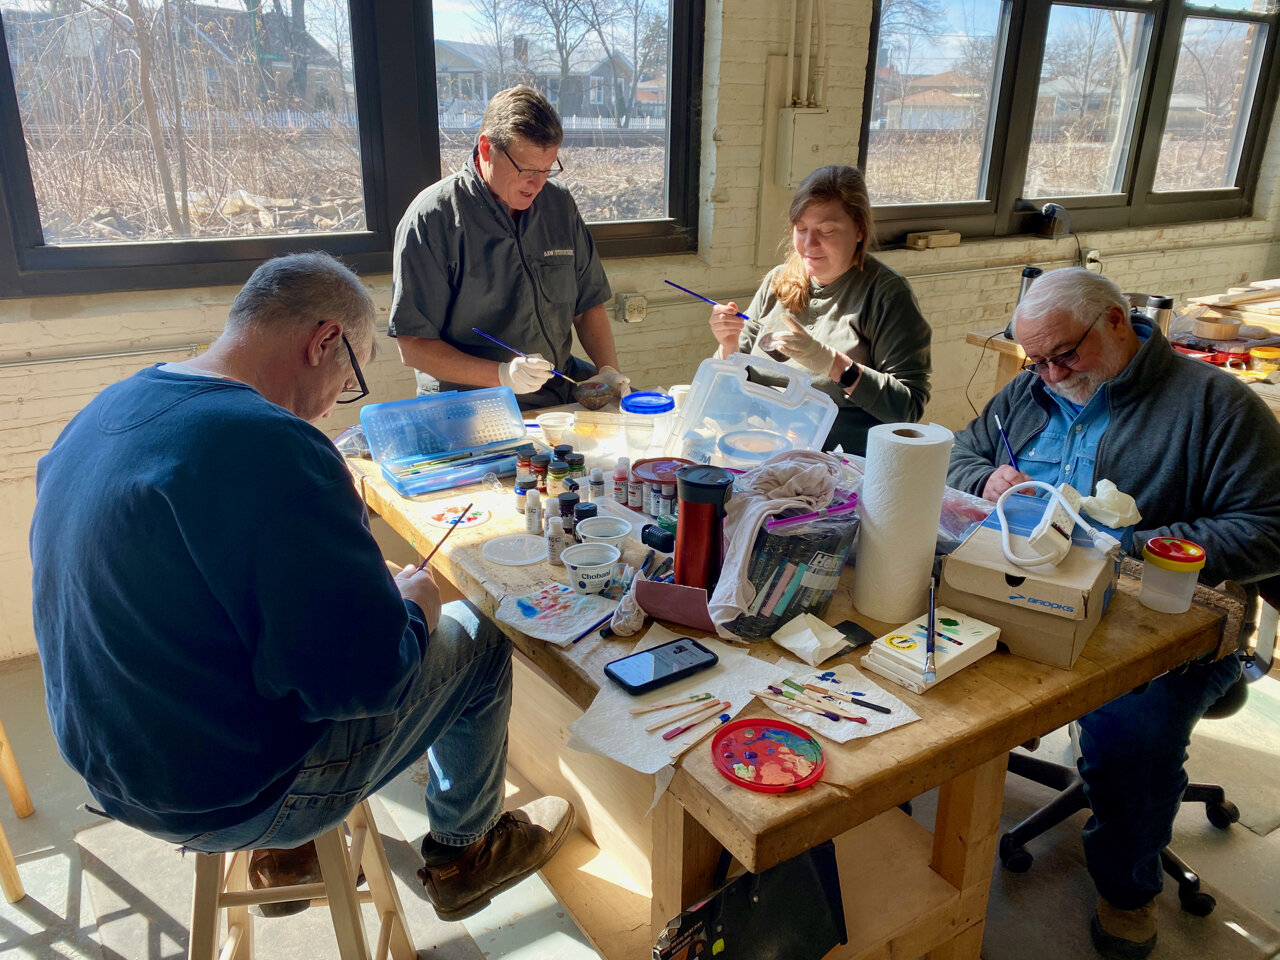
850 375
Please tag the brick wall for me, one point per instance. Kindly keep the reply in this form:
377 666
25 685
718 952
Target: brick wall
970 287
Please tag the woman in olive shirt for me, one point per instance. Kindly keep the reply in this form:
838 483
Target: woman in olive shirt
838 313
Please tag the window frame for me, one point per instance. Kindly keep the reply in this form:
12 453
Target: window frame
1005 212
394 63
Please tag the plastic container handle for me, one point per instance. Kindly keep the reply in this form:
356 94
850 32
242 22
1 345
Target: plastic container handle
798 382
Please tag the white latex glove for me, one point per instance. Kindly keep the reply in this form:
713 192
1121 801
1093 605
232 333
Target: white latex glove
619 383
525 374
794 341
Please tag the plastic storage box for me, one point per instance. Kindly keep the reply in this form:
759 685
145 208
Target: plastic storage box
444 440
730 420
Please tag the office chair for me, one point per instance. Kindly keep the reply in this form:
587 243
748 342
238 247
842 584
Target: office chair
1261 603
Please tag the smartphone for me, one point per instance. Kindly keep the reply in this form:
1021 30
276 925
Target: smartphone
659 665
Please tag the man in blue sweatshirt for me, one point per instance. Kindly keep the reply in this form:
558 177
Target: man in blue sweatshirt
233 666
1104 397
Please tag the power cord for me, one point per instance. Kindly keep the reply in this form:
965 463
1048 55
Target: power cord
1053 531
985 344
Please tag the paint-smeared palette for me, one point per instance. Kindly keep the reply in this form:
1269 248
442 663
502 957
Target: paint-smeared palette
446 515
771 756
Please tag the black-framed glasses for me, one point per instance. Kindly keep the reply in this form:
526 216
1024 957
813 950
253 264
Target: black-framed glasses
1066 359
535 174
355 366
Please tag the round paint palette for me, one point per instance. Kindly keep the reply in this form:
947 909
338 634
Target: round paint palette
771 756
446 515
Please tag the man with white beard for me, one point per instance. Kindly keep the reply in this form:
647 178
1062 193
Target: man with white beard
1106 397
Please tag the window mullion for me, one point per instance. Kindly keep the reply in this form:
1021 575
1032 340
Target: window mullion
1162 63
1027 35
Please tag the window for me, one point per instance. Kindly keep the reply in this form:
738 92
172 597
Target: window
145 144
1141 112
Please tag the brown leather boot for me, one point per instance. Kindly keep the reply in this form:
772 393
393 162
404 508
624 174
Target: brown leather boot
283 867
517 846
1124 934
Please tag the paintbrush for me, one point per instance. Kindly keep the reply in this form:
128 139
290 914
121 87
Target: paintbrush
706 714
679 716
809 699
681 750
849 698
714 303
821 711
930 674
518 353
457 523
667 704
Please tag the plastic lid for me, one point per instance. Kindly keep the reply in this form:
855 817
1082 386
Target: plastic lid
659 469
558 466
754 445
540 459
771 756
524 483
597 475
583 510
515 549
1266 353
1032 271
648 401
568 501
1174 553
1162 303
525 450
562 450
703 484
572 458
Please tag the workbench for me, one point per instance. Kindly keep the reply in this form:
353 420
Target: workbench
630 873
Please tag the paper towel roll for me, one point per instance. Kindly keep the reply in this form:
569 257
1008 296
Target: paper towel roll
900 506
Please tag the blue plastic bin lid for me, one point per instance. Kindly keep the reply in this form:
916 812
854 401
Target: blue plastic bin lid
648 401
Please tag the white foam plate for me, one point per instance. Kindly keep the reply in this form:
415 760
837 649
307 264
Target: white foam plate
515 549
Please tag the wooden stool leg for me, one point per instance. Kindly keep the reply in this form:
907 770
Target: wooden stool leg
239 922
381 884
204 907
340 885
12 778
10 882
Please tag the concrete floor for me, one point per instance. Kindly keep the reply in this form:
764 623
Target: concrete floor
98 890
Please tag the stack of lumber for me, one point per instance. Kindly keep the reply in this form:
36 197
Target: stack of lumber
1258 302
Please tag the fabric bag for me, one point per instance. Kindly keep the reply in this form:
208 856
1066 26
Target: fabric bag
793 911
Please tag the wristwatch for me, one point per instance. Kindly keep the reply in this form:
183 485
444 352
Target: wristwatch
850 375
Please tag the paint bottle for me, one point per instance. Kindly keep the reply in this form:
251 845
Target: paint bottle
538 467
620 474
524 484
533 512
577 465
582 511
557 473
524 454
555 541
635 492
562 450
567 502
595 487
668 500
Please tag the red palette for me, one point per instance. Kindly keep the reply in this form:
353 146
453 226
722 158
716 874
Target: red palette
771 756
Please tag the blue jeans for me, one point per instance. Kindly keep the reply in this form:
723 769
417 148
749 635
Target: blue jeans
456 710
1132 755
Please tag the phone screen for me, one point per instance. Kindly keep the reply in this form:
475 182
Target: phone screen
650 667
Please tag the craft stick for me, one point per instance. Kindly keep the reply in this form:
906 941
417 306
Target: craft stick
457 523
767 609
796 703
679 702
721 720
706 714
841 695
807 698
679 716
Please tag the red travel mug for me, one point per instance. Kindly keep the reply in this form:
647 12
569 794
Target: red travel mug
701 492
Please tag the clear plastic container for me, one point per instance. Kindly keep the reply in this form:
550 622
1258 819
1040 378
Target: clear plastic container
1170 568
744 409
648 424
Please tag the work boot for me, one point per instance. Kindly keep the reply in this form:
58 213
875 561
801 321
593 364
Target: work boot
519 844
1124 934
283 868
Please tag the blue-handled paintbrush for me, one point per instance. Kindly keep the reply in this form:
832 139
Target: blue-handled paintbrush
714 303
519 353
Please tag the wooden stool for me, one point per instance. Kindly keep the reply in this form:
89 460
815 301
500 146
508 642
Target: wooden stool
10 882
222 887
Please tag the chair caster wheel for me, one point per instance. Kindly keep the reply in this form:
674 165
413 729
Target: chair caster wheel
1222 815
1196 903
1014 858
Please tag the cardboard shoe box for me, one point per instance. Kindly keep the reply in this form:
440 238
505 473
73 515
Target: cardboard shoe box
1044 613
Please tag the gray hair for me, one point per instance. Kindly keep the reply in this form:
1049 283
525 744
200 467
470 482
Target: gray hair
522 112
1076 290
302 288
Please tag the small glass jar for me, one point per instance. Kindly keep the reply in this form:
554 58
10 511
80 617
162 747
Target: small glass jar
524 454
583 511
567 502
538 465
562 450
523 485
557 474
577 464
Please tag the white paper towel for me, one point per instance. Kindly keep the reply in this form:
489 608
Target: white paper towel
900 507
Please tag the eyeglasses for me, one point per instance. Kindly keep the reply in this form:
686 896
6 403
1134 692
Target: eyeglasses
536 174
1066 359
364 389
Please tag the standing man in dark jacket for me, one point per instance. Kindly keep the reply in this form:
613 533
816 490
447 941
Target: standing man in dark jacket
500 246
1106 398
230 665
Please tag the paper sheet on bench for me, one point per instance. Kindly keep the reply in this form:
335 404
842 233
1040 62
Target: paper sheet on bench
846 678
609 729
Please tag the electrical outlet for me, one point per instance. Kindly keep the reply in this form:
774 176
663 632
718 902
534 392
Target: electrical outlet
632 307
1093 261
